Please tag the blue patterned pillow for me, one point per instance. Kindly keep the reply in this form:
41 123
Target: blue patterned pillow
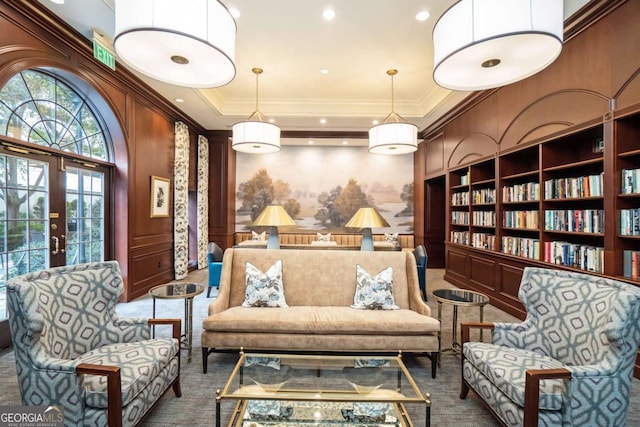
374 292
264 289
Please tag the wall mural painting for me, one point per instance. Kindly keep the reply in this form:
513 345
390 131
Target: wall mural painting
321 187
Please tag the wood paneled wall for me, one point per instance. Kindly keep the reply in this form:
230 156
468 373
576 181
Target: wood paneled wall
140 122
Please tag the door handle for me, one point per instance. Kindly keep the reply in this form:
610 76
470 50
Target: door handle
64 243
56 245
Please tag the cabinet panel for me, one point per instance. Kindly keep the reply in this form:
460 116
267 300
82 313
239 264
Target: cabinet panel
456 262
482 272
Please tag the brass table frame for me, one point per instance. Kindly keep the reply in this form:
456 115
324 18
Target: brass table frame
479 300
185 291
319 362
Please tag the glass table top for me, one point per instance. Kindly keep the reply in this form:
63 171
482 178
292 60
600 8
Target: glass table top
460 297
176 290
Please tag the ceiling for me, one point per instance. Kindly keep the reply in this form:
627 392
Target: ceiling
292 42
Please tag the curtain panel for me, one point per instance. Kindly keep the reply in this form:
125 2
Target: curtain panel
181 202
203 200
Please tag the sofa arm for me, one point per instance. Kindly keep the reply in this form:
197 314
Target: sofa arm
532 391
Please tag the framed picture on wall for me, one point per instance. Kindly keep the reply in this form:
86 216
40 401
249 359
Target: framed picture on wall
160 197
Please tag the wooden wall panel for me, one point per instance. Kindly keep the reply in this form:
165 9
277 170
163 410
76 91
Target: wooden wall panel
482 272
434 161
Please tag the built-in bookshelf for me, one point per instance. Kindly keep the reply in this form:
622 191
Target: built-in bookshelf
627 201
544 202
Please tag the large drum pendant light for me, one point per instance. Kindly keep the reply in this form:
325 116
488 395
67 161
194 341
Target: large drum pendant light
483 44
185 43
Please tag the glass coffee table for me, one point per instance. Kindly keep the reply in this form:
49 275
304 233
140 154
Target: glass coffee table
320 390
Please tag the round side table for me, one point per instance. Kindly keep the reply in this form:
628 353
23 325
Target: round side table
457 297
185 291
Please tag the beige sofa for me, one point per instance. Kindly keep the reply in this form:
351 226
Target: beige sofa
319 288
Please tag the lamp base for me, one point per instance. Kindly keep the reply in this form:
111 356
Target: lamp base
367 240
274 239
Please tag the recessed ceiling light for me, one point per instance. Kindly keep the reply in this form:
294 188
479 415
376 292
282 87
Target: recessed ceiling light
310 142
329 14
235 13
272 120
345 142
375 122
324 71
323 121
179 100
422 16
57 1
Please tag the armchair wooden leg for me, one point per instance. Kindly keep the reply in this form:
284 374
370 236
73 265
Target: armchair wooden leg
177 390
464 389
205 359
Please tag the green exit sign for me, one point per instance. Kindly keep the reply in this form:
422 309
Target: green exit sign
103 55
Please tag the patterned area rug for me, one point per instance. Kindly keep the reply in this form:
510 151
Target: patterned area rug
196 407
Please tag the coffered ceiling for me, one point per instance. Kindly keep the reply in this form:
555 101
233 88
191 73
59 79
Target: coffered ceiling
292 42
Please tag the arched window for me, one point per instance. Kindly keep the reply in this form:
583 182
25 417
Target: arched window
39 108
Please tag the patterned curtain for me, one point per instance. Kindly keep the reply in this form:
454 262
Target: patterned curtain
181 202
203 200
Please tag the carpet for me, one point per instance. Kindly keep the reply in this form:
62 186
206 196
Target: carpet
196 407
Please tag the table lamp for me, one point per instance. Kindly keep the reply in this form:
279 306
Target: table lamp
272 216
366 218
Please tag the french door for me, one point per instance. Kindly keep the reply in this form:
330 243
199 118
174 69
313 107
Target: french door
52 213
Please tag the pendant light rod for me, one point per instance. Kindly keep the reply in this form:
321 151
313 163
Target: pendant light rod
392 73
257 71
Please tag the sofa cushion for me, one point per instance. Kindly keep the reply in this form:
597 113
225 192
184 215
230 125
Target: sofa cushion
374 292
140 363
321 320
264 289
505 367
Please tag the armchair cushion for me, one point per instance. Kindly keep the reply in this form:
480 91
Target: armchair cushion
139 364
506 367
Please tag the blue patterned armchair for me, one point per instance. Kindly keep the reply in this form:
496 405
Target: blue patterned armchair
570 362
73 351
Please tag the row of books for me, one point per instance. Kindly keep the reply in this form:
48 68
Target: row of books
630 261
630 222
485 195
565 188
484 241
460 237
521 246
529 191
464 179
520 219
459 218
630 181
584 257
575 220
460 199
484 218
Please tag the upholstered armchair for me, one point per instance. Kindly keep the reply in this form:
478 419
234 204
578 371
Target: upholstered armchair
74 352
214 255
570 362
420 252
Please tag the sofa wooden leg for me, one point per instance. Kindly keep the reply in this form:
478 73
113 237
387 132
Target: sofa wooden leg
434 363
205 359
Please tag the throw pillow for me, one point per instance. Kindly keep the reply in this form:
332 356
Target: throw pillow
264 289
392 238
374 292
323 237
259 236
